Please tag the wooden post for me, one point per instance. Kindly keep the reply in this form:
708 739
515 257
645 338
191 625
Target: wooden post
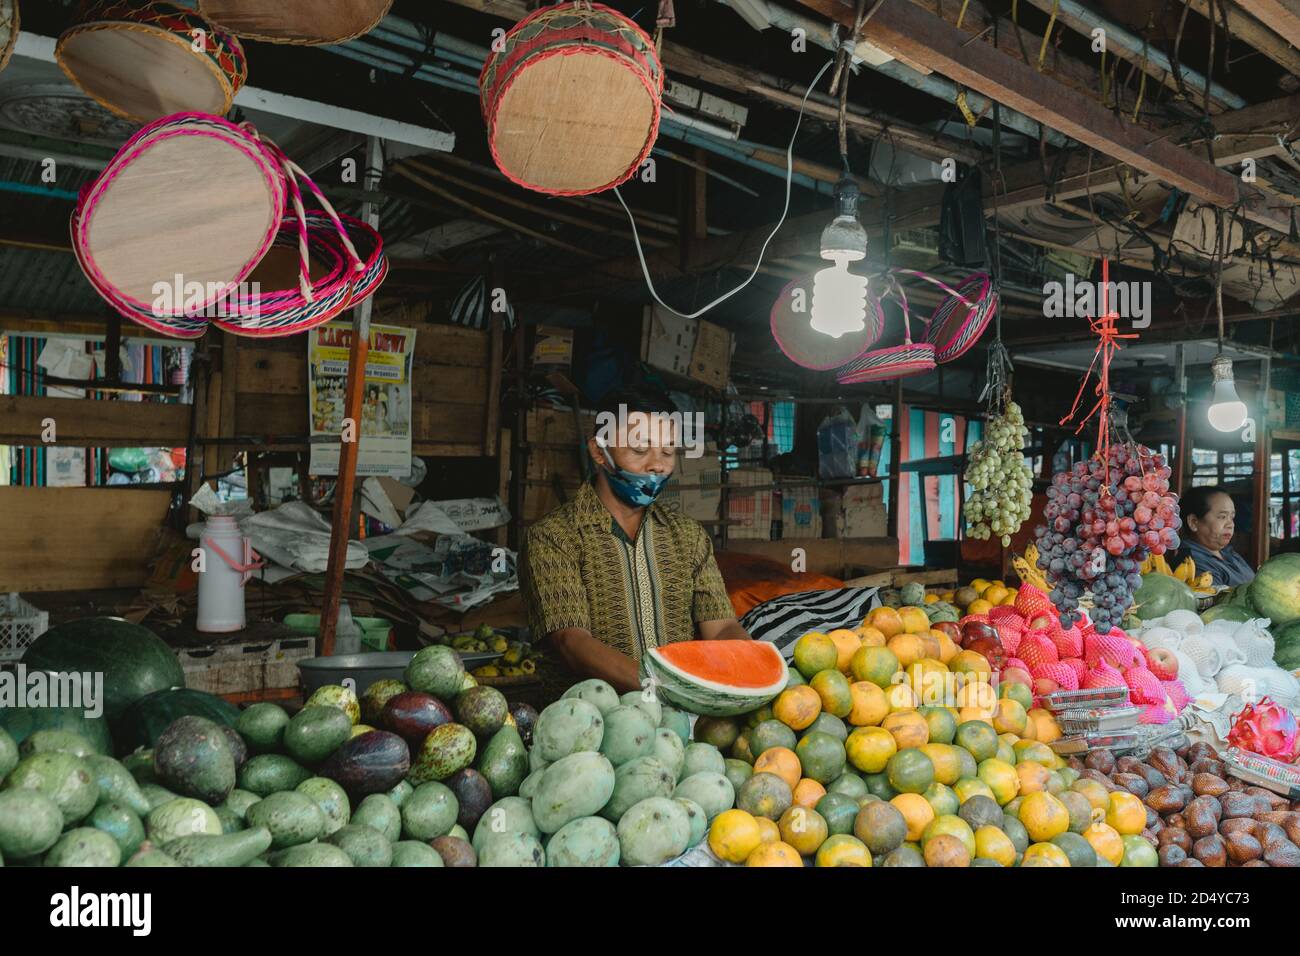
341 525
1263 463
1182 454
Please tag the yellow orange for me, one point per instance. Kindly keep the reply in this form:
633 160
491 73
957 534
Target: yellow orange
782 762
833 689
916 811
1010 599
804 829
995 594
871 636
979 694
1001 778
947 647
968 787
797 707
947 762
908 727
979 606
971 662
1046 729
1010 717
1033 776
929 645
1044 816
1097 795
1126 815
877 664
931 598
992 844
979 585
886 620
842 849
814 652
1045 854
901 698
771 833
775 854
915 620
870 706
807 792
869 748
846 642
907 648
734 835
1105 840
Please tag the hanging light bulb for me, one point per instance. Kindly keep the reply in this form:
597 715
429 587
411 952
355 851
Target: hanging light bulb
1227 411
839 303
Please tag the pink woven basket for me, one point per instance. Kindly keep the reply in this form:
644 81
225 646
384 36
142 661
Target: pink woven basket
897 361
959 320
802 344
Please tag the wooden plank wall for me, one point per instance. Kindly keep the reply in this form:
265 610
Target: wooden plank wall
58 539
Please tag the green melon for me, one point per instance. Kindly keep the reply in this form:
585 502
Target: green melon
1160 594
141 724
1226 612
22 722
134 661
1276 589
1286 650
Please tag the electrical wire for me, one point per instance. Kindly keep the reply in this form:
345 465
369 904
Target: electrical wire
789 176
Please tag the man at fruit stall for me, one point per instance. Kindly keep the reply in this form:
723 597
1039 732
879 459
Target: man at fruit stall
1208 523
613 572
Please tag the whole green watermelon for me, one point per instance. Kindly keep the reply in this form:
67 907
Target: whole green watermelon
133 660
141 724
1276 589
1286 649
1160 594
1226 612
22 722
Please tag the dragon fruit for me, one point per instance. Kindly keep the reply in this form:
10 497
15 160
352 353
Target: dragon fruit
1266 728
1143 686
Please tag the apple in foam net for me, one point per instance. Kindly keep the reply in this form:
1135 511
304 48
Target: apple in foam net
1163 663
1017 675
1044 686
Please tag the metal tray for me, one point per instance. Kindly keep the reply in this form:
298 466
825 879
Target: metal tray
365 669
1263 772
1062 701
1099 720
1080 744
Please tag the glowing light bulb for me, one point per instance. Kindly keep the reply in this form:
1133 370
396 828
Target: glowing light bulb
1227 411
839 303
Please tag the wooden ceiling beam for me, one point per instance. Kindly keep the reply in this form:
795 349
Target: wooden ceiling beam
1019 86
1281 16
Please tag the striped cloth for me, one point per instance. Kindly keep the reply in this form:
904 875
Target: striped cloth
472 306
783 620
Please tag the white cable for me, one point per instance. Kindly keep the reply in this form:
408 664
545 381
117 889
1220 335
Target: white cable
789 175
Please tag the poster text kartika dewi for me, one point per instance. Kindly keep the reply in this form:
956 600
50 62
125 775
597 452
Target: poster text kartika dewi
331 337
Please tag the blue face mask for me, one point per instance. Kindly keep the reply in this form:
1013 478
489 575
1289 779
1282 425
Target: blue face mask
630 487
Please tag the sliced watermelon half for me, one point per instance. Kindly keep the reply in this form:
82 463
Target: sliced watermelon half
717 678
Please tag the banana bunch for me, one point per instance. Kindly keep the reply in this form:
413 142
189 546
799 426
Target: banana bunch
1027 568
1185 572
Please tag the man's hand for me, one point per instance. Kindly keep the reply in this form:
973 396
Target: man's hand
586 655
723 629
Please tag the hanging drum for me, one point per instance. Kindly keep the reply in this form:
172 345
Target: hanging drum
305 22
8 30
571 99
960 319
147 61
190 202
792 330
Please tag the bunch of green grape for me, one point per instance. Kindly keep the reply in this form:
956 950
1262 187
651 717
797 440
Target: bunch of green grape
1001 482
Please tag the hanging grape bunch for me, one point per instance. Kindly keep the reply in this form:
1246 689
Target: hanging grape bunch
1103 519
1000 480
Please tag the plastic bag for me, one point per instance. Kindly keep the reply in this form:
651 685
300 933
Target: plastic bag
837 446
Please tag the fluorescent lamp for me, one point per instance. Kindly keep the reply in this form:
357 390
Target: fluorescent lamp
1227 410
839 302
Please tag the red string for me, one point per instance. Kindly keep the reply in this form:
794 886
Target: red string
1107 335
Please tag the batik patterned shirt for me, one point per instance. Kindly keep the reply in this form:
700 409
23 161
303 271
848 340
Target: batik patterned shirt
581 570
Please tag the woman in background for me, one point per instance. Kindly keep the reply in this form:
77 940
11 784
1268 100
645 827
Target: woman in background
1208 523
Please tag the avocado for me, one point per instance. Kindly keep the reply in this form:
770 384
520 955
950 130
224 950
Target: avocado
82 847
409 853
455 851
121 823
8 753
332 800
373 762
262 727
400 792
149 855
229 849
315 732
231 822
238 746
311 855
30 823
140 766
473 795
57 741
483 710
503 762
429 812
364 845
292 818
379 811
271 773
63 777
157 795
193 758
116 783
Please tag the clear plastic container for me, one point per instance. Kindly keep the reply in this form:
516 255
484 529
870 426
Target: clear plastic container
1083 743
1063 701
1099 720
347 633
1263 772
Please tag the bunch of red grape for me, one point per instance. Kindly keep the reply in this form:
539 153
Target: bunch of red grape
1103 519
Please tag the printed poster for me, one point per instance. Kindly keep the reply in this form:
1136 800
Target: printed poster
385 424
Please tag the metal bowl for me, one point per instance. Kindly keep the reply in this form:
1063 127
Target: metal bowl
365 669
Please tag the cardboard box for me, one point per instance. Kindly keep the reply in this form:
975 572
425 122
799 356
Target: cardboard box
856 512
801 513
749 514
690 347
696 487
555 426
